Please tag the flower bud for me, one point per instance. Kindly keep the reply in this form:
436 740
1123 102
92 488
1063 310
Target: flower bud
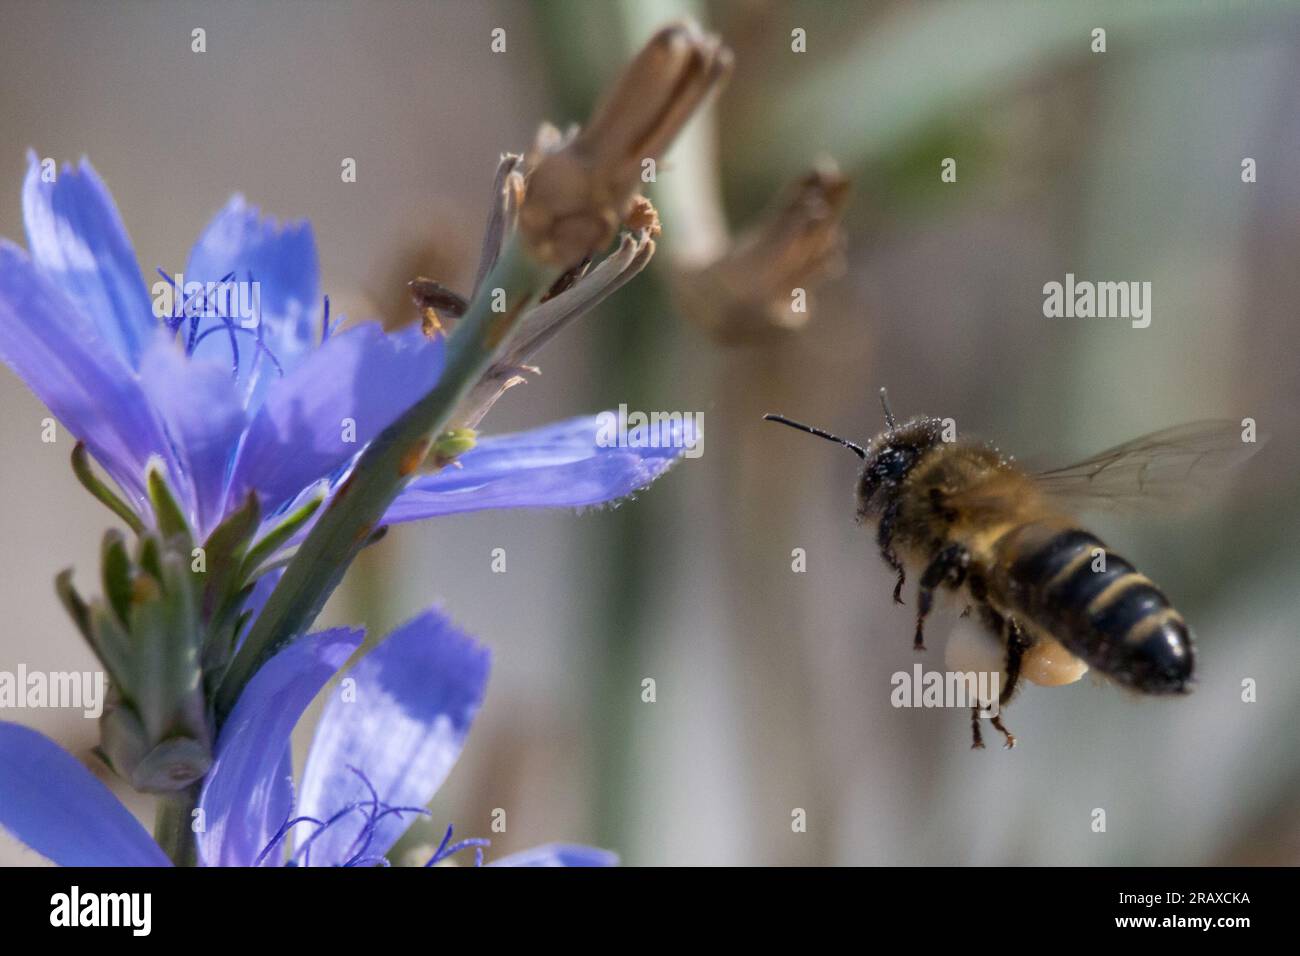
148 633
163 628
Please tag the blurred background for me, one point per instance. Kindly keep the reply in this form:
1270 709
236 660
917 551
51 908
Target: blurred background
772 687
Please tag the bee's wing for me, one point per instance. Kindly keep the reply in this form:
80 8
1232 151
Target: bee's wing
1166 468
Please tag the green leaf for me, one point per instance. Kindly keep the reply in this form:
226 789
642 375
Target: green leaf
166 635
170 518
223 630
115 568
231 537
123 741
86 475
223 553
111 642
277 536
77 608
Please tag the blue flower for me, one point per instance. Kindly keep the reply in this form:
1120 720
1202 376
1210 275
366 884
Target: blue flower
279 409
388 738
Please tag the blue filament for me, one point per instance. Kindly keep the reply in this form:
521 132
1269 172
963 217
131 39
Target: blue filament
373 809
182 310
444 851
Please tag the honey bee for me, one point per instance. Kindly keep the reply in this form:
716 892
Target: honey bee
1059 601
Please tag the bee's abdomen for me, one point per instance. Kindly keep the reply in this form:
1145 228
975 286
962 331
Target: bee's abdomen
1099 606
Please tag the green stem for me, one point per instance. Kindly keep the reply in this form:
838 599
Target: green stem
173 827
383 469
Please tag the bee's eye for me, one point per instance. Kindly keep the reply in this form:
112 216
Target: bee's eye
887 466
893 463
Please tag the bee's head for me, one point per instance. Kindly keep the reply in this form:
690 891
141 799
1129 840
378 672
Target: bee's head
887 458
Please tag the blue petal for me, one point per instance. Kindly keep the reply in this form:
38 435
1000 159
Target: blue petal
248 794
77 239
413 700
282 260
204 417
52 347
301 433
53 804
559 854
562 465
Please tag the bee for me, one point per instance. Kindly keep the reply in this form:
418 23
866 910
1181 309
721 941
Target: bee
1059 601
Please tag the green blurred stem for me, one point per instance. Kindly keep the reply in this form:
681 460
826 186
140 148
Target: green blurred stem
382 470
584 42
172 826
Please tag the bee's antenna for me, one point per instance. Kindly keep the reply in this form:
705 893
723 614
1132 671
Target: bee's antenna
889 416
856 449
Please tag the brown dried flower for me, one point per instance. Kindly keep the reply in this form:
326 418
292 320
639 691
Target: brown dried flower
752 290
580 187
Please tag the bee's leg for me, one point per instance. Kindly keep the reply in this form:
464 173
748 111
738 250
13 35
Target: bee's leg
977 739
1017 643
1011 738
950 565
885 538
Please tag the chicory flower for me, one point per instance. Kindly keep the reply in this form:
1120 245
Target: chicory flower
390 734
277 406
226 418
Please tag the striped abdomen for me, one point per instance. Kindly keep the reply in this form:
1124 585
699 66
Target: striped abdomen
1098 606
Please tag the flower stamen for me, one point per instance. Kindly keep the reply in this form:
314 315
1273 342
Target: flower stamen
444 851
374 810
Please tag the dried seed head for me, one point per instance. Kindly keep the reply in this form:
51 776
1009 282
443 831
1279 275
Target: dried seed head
798 244
580 187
